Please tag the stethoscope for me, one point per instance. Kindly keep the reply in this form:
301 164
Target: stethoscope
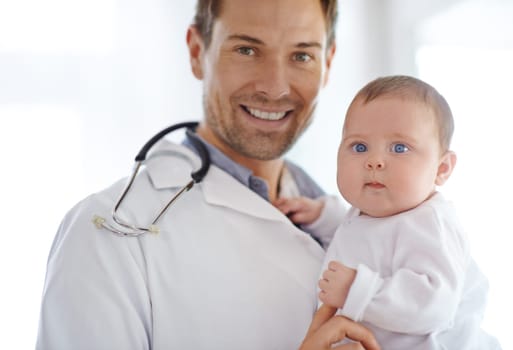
125 229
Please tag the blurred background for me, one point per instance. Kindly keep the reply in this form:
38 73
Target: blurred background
83 84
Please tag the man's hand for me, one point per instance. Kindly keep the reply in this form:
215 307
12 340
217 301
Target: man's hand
327 330
335 284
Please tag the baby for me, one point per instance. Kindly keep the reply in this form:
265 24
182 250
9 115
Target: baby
399 261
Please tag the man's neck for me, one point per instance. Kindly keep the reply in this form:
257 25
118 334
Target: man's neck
268 170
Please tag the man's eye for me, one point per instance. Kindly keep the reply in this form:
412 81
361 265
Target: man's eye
302 57
399 148
246 51
359 147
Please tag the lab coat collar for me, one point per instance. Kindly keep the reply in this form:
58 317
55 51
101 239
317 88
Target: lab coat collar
170 165
218 187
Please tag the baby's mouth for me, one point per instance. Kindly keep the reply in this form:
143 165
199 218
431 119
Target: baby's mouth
375 185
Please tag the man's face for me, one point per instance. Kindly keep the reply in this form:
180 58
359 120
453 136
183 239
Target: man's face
261 74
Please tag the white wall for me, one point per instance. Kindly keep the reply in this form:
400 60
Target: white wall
466 51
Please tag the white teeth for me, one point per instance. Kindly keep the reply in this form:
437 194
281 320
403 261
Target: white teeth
266 115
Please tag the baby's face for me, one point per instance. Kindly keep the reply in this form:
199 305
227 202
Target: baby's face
389 157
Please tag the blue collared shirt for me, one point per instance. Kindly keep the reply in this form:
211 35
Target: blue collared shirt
304 183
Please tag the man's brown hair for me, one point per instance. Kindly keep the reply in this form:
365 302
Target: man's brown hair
208 10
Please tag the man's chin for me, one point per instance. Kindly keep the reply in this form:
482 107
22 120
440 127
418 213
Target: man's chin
261 152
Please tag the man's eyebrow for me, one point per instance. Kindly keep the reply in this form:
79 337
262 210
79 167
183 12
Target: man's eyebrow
253 40
309 44
247 38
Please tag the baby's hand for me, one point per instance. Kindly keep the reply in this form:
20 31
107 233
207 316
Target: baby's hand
300 210
335 284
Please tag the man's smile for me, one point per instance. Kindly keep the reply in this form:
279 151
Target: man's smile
266 115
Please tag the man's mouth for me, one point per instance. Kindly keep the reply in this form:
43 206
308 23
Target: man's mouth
265 115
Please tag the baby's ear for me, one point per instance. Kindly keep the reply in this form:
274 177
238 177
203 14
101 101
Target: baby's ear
445 168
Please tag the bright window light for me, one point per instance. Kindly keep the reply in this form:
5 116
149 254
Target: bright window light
477 84
41 180
57 26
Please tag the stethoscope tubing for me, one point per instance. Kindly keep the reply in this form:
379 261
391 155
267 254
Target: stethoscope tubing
127 230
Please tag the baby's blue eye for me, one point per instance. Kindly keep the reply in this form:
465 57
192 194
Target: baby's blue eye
400 148
359 147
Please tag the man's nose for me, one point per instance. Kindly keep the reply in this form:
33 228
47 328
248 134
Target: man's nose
273 79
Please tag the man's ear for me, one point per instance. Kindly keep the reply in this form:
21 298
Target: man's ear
330 53
445 168
196 50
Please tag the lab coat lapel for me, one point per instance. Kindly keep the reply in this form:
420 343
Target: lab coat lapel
219 188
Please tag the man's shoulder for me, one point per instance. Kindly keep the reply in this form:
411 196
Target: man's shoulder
78 221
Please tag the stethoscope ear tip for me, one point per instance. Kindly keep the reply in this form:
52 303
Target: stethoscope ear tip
101 223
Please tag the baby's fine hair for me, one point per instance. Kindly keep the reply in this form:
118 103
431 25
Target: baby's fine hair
411 88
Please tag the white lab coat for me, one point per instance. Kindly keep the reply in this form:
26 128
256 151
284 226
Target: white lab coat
226 271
